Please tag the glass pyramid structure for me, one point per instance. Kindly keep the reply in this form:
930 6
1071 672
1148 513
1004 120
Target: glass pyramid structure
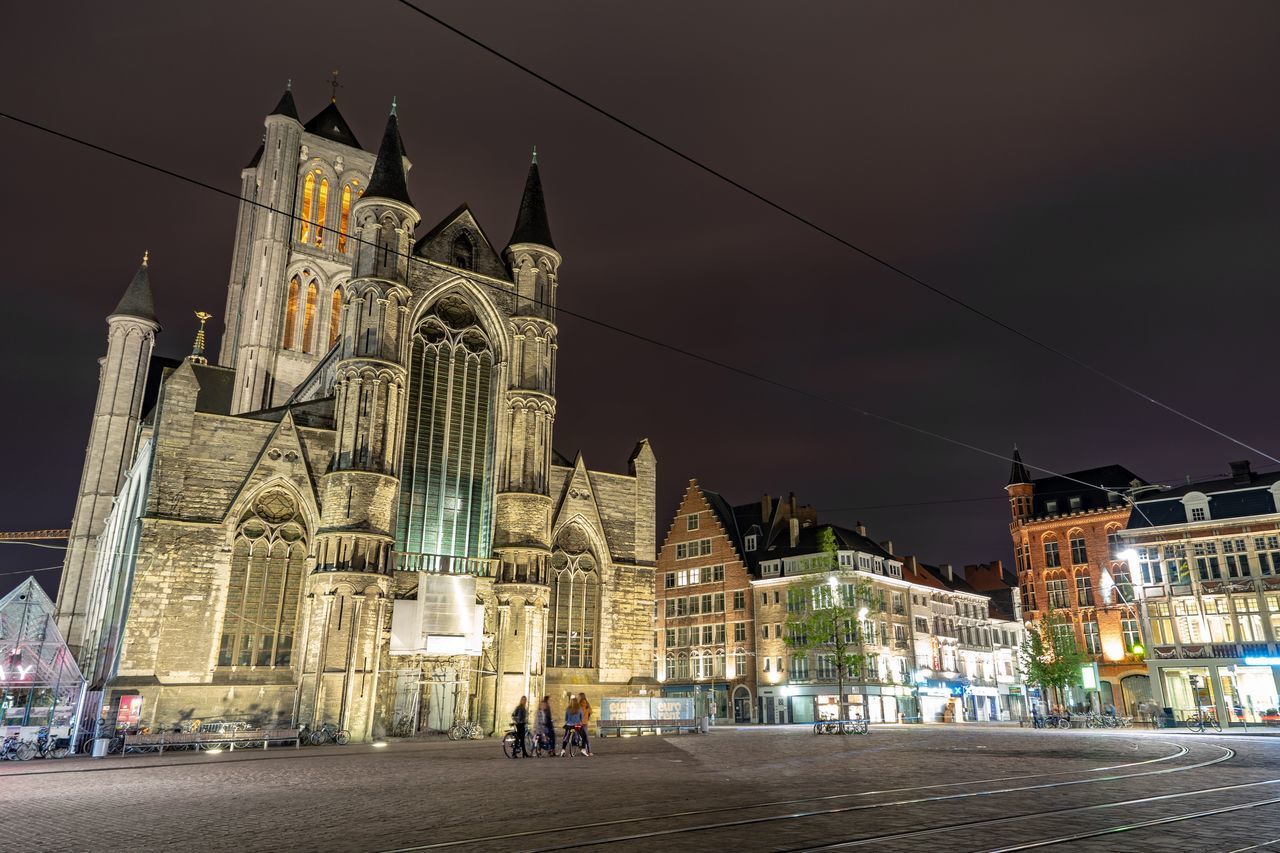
40 683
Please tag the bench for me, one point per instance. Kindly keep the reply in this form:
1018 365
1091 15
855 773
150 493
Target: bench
616 727
245 739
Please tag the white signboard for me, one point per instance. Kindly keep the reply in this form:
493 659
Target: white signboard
444 619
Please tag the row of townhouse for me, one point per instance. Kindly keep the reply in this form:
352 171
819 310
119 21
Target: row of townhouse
1173 592
938 644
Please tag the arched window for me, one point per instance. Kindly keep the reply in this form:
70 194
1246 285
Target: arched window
463 253
309 318
291 312
344 217
335 316
268 558
304 210
574 609
448 442
322 211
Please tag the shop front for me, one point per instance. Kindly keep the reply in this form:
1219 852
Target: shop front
1241 693
941 700
1012 702
982 703
874 703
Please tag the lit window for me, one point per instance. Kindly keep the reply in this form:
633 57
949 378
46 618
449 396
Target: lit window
1079 555
304 213
344 218
309 318
291 313
322 211
335 316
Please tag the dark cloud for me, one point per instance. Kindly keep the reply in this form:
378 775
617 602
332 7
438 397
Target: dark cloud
1103 176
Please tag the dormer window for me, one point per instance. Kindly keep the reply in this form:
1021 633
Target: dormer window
1199 513
750 542
1051 507
1074 502
1197 506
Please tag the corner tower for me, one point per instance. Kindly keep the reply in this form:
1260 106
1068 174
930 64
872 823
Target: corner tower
348 594
1020 489
122 380
522 501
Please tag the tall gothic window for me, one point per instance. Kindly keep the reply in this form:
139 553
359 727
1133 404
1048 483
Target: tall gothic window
309 318
268 558
304 211
344 218
291 312
445 479
322 210
463 253
574 611
335 317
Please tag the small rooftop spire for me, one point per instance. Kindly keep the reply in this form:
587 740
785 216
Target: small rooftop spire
286 107
197 351
388 179
137 300
1018 472
334 85
531 221
393 104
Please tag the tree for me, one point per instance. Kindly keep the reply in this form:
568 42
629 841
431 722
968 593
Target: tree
826 615
1050 657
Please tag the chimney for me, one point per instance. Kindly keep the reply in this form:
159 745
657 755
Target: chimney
1241 474
794 524
791 504
946 570
766 507
911 564
861 528
887 545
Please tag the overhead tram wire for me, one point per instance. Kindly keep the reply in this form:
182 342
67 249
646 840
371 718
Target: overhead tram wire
826 232
603 324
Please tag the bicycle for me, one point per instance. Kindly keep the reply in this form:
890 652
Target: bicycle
544 743
857 726
572 744
13 749
1054 721
509 743
51 747
1199 722
465 730
329 732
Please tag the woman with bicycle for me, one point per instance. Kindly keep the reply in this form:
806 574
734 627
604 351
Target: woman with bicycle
572 725
544 728
520 717
585 706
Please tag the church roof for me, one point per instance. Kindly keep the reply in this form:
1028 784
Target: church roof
137 300
531 221
257 156
286 107
388 179
1018 473
330 124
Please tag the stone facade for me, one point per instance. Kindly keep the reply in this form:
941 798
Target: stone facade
297 493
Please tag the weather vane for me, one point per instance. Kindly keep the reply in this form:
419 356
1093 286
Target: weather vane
334 85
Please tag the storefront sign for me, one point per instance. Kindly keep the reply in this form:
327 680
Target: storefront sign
1015 689
940 687
984 691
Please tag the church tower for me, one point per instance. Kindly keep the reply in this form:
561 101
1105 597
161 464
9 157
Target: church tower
1020 489
523 503
348 594
122 379
254 295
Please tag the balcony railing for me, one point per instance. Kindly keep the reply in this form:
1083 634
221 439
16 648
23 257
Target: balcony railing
445 564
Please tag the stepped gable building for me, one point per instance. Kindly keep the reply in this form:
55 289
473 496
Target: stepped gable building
1206 559
1064 536
356 516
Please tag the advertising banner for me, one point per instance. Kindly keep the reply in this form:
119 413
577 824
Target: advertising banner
647 708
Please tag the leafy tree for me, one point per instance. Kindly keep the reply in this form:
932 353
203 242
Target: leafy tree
1050 656
825 615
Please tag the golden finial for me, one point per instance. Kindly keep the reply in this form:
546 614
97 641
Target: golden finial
335 85
197 351
146 256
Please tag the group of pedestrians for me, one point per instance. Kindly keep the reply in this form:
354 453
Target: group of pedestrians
577 718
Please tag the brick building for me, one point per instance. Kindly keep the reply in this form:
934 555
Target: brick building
1064 535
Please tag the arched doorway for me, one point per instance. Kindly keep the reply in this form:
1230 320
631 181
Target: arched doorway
741 704
1136 692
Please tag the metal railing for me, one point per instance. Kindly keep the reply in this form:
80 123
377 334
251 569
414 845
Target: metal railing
445 564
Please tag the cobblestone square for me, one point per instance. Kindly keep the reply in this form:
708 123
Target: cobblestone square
960 788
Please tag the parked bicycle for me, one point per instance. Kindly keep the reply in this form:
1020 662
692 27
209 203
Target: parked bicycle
465 730
48 746
857 726
1058 721
14 749
330 733
1099 721
1202 721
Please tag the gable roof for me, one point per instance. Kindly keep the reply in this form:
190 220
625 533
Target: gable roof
329 124
437 245
1102 495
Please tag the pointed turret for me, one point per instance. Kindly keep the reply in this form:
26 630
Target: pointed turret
531 221
388 179
137 300
286 107
1018 473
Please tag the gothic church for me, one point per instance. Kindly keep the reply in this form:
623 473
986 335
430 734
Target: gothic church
357 516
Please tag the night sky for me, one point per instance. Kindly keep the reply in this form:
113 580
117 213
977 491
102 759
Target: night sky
1105 178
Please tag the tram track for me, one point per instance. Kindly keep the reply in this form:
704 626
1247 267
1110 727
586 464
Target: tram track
1179 752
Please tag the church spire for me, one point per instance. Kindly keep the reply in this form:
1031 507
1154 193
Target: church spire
137 300
1018 473
388 179
197 350
286 107
531 221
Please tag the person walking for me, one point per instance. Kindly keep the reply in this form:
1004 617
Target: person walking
520 716
572 720
585 706
544 727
